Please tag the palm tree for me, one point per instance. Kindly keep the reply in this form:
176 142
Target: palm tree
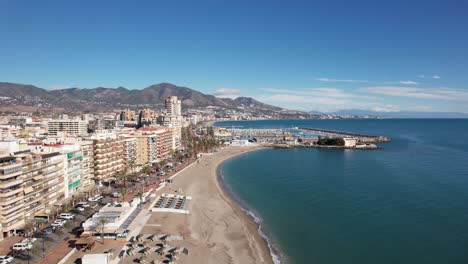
132 165
122 176
28 227
146 170
162 163
102 224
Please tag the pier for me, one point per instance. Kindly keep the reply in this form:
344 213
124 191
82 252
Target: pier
336 133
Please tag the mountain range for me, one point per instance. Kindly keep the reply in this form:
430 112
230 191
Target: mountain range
399 114
100 98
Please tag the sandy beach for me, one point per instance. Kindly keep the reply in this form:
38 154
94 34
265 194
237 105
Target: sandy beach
216 230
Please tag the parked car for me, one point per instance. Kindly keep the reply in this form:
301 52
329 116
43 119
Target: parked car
76 211
49 229
66 216
41 234
6 259
124 234
28 240
95 198
79 209
116 194
82 204
22 246
59 223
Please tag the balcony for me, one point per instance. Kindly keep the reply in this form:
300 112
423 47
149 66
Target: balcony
14 208
11 219
11 199
8 183
32 199
5 193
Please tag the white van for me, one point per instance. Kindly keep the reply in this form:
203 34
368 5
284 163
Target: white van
67 216
22 246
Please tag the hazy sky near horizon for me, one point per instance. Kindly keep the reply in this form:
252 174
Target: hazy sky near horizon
307 55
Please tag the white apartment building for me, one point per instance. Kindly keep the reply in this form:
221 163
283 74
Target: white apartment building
130 150
31 185
173 106
87 151
173 119
72 166
87 164
72 127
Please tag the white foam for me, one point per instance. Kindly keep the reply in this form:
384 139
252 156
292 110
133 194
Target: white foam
274 256
274 253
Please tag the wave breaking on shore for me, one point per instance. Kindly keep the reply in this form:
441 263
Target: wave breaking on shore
276 255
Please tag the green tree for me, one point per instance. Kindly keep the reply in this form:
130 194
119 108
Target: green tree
147 170
132 165
327 141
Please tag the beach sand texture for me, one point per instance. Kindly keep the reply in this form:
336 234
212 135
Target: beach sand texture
217 230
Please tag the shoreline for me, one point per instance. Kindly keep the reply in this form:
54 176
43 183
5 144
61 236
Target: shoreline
249 216
217 229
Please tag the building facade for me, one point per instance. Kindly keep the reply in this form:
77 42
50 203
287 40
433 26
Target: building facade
173 119
87 164
128 115
30 184
153 144
72 127
129 150
108 155
173 106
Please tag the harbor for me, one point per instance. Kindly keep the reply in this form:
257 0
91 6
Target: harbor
298 137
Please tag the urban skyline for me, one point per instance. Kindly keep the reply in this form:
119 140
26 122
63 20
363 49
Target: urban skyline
298 55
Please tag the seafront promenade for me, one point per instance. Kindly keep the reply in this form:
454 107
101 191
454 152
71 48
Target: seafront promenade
215 231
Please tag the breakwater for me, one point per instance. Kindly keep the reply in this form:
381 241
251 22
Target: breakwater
284 145
336 133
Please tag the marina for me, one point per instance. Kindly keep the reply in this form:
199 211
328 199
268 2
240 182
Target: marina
298 137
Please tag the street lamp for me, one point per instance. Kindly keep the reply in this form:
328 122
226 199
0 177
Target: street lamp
43 249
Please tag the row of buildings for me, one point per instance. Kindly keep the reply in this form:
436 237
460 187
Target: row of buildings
39 174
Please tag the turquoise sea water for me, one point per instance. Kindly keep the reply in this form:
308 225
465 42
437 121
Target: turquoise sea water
405 203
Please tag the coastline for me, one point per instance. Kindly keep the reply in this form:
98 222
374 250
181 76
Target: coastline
248 217
217 228
243 210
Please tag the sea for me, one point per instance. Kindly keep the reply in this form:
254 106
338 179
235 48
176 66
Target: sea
404 203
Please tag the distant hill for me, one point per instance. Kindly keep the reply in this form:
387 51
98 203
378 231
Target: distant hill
401 114
249 102
15 90
110 98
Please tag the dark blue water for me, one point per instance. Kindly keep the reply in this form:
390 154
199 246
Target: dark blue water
405 203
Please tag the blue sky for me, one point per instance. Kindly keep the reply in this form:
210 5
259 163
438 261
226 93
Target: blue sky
308 55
